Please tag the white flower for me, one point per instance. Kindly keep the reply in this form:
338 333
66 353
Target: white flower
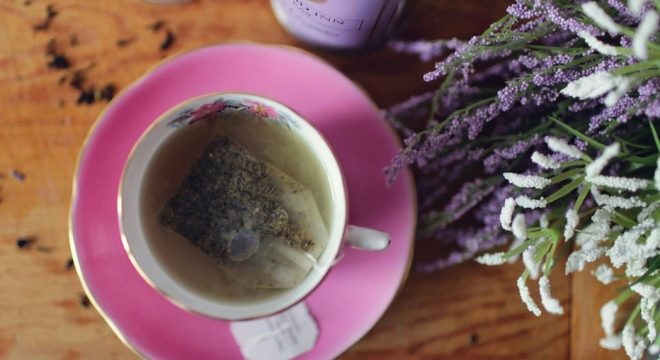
618 182
654 349
544 162
636 6
608 317
579 258
621 202
595 232
647 291
604 274
526 297
628 337
647 211
633 345
616 201
491 259
611 342
597 166
531 265
560 146
653 240
602 216
514 244
594 169
600 17
650 296
544 221
586 237
622 87
647 308
506 214
549 303
646 28
592 86
626 248
526 202
636 267
656 176
526 181
519 227
597 45
572 219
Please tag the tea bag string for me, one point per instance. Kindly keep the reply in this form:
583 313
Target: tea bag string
318 266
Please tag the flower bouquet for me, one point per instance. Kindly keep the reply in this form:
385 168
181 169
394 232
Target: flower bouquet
543 134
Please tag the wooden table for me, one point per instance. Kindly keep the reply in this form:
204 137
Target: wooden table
465 312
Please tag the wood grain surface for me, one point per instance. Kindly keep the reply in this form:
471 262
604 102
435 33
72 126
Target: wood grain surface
466 312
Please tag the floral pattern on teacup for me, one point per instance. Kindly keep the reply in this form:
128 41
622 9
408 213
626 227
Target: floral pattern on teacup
222 105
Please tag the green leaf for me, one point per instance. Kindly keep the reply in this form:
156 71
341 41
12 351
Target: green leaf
542 249
646 276
583 194
565 190
519 249
565 175
655 135
572 131
549 259
646 160
630 143
623 220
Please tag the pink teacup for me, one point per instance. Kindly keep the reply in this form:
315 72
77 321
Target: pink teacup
132 225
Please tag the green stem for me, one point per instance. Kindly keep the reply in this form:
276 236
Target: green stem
633 315
652 198
549 259
565 190
565 175
621 222
582 196
436 96
646 160
542 249
625 295
451 116
543 232
532 237
638 67
572 131
520 248
572 163
655 135
626 221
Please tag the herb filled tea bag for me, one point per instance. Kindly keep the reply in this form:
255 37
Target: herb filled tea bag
261 226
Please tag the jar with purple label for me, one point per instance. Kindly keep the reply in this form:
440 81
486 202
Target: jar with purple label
340 24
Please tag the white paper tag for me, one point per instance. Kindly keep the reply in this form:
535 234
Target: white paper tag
278 337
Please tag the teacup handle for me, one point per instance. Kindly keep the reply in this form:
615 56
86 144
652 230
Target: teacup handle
367 239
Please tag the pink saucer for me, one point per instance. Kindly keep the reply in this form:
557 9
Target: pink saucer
357 290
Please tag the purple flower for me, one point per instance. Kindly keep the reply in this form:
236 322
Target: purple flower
565 19
494 161
494 110
426 50
624 16
653 109
620 112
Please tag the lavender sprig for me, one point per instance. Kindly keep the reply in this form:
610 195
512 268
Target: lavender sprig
544 128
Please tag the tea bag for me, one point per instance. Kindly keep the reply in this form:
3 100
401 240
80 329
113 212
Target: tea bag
261 226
